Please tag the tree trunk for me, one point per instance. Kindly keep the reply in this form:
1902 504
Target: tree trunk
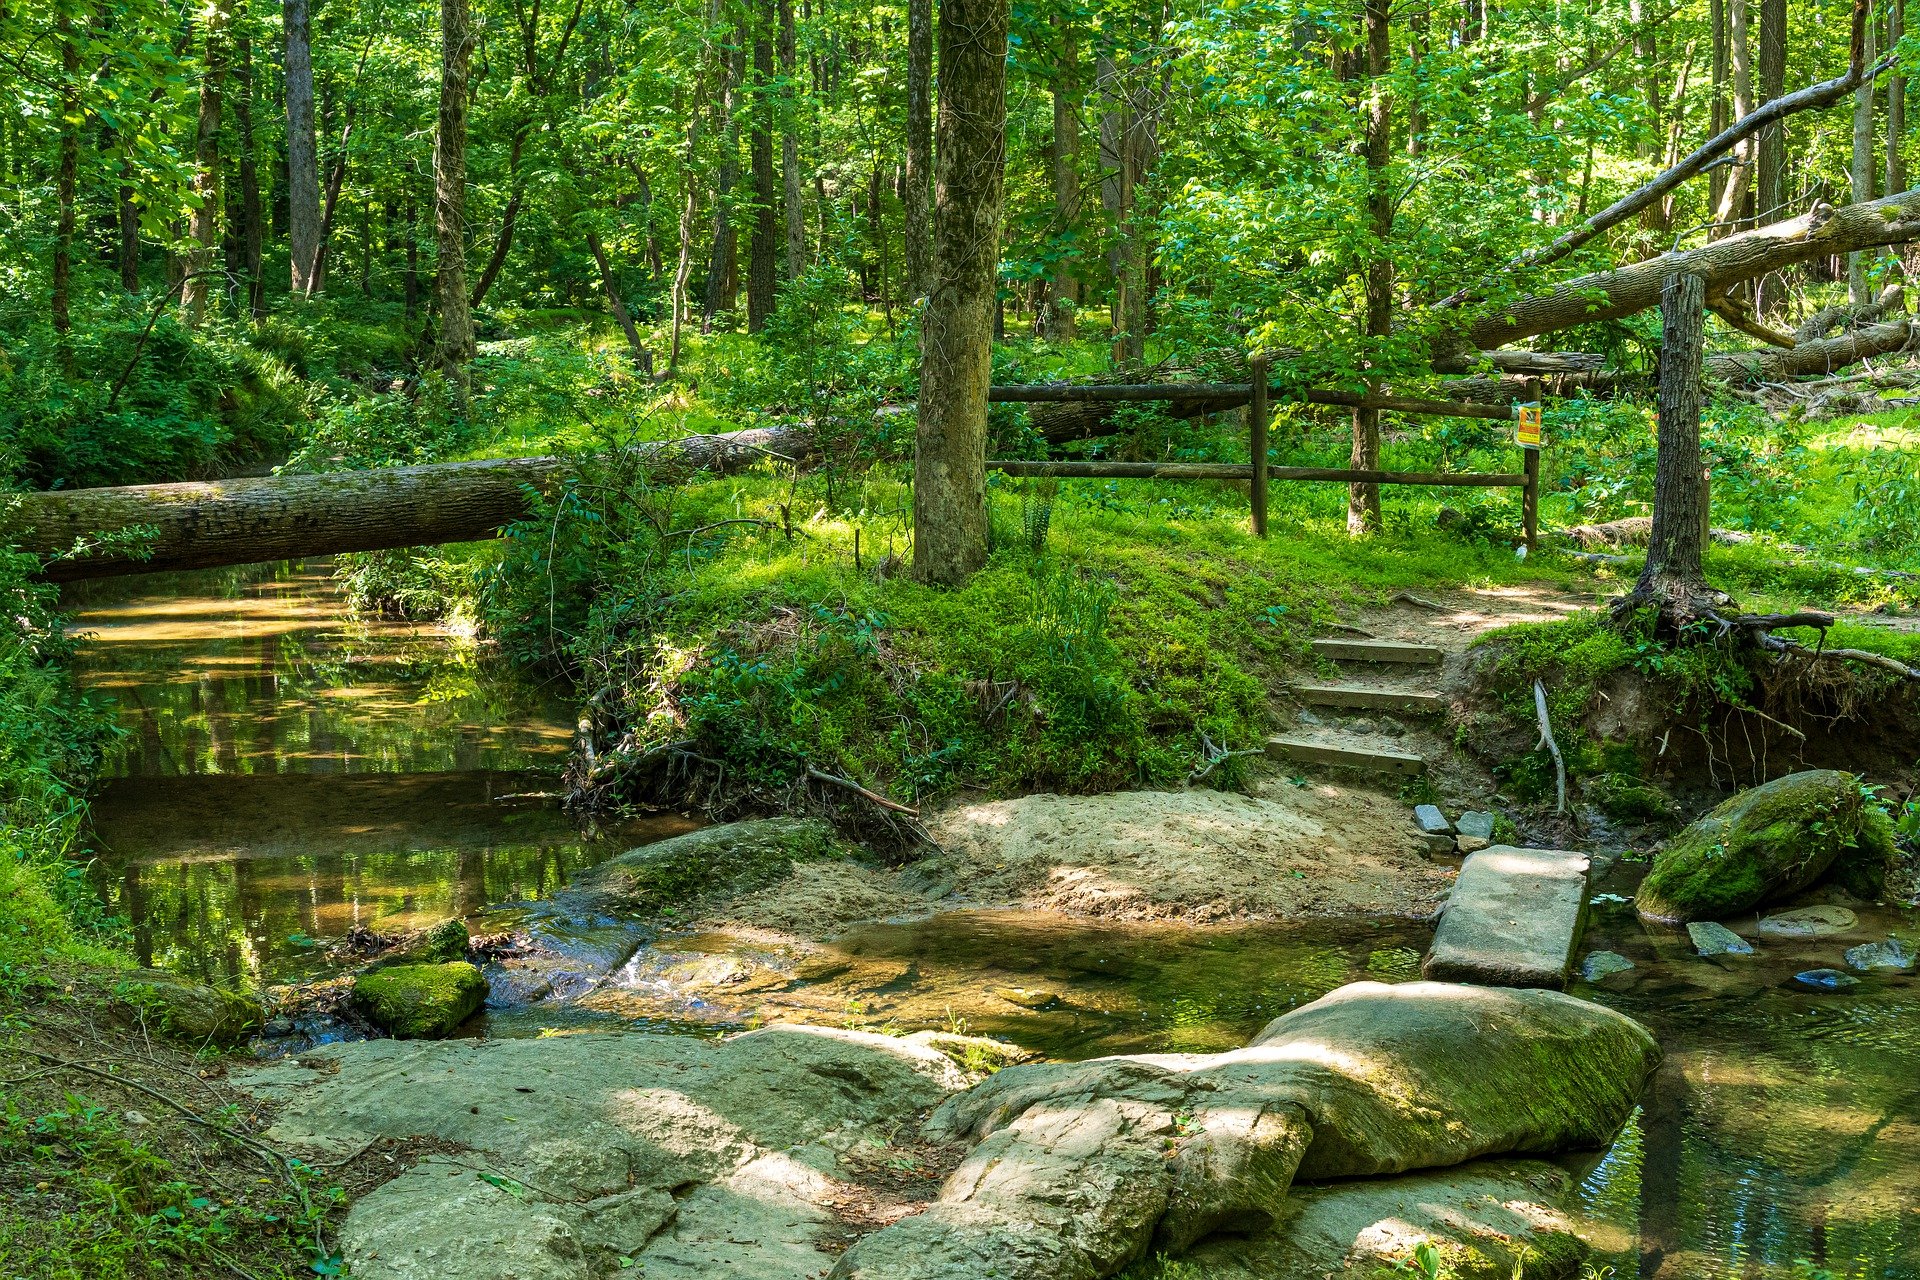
723 286
1607 295
1056 316
509 217
763 253
256 519
252 216
796 213
1733 197
1363 499
1860 173
330 202
642 358
303 151
67 182
1896 102
203 225
1675 577
917 187
454 345
410 287
1771 145
1717 110
1116 190
956 343
683 266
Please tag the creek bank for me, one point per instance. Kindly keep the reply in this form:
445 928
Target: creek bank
767 1154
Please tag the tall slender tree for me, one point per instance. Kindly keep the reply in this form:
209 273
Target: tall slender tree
453 346
203 222
763 247
916 186
956 335
303 150
1363 499
1063 284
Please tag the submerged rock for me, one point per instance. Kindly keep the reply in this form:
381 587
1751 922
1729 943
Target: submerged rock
1082 1167
1821 921
1826 979
1603 964
1891 954
1710 939
187 1010
1767 843
420 1001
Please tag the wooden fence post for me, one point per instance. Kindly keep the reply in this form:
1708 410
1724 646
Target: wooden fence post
1530 467
1257 419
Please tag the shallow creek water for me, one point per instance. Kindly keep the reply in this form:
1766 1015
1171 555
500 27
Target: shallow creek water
289 773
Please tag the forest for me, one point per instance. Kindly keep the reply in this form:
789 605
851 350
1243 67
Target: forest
1173 639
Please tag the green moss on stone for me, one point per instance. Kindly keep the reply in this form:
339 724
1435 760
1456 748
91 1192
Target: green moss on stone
1627 799
736 858
190 1011
1765 843
420 1001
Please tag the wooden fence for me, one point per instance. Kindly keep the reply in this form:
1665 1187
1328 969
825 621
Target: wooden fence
1259 396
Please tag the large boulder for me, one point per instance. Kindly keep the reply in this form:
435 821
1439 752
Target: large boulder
1081 1168
1769 843
187 1010
666 877
420 1001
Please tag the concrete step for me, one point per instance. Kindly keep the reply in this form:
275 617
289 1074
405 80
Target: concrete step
1415 701
1424 655
1514 919
1347 755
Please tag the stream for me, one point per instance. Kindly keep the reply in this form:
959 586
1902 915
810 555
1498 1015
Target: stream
288 773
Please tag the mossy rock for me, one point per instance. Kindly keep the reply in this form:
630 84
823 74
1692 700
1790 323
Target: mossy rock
1624 798
1768 843
734 858
196 1012
420 1001
444 942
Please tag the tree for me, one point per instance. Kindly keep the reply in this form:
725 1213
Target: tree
1363 499
915 186
1063 284
956 342
204 222
763 250
1674 579
67 185
453 346
303 151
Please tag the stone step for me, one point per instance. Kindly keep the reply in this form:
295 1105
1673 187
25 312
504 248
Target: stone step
1424 655
1415 701
1514 919
1346 755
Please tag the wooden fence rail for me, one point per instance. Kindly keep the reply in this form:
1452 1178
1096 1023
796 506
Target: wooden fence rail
1259 395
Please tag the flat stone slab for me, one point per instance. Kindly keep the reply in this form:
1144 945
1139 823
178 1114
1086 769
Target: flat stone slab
1419 655
1370 697
1513 920
1345 755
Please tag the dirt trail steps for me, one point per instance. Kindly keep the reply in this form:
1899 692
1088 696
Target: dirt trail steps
1378 676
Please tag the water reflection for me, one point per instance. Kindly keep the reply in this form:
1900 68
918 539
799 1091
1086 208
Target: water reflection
289 773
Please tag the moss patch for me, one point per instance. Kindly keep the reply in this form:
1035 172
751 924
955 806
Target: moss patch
673 876
1764 844
420 1001
193 1012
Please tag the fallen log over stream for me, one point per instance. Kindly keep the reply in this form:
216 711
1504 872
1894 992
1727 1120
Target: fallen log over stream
205 524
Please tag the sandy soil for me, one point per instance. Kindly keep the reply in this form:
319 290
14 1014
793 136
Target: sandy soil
1290 851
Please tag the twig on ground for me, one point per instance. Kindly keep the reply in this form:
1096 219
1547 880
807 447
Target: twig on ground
1546 740
1407 597
857 789
1215 756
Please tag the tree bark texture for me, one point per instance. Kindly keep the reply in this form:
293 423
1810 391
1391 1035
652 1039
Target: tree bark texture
1363 499
205 524
1732 208
1771 193
1674 571
1896 102
303 150
1717 110
453 347
1607 295
796 213
917 186
763 251
723 284
949 469
203 224
1063 286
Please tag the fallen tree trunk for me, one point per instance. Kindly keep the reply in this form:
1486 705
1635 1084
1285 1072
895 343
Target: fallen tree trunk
1609 295
204 524
1745 368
